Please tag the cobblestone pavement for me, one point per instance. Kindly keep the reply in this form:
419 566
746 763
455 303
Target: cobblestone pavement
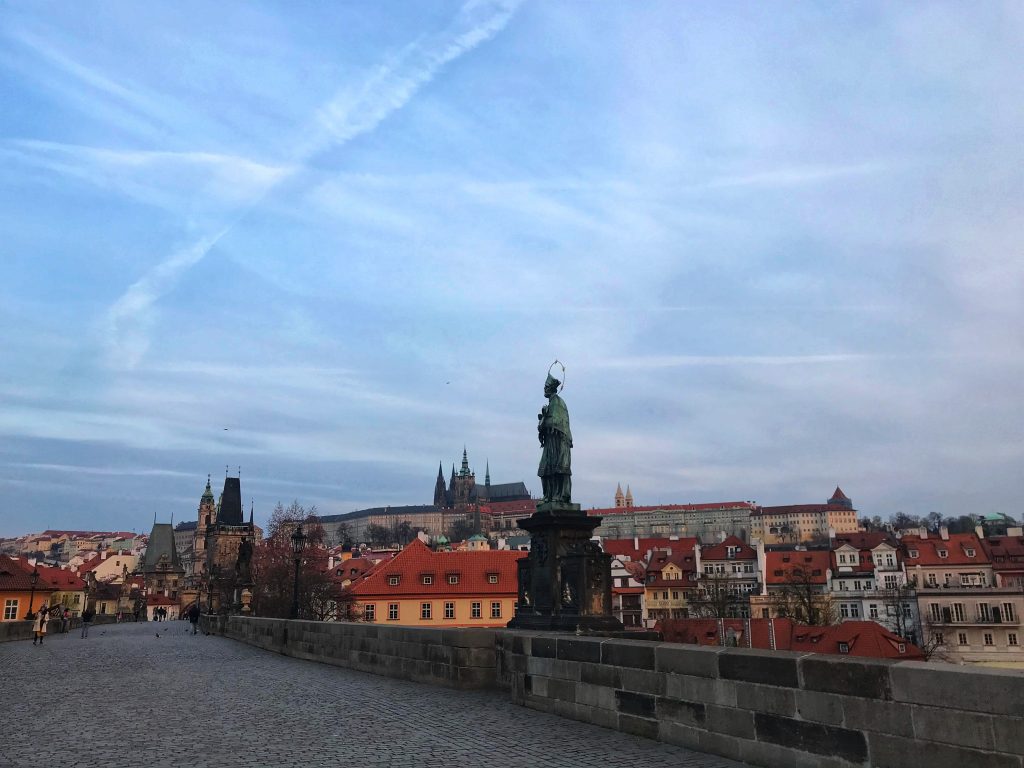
126 697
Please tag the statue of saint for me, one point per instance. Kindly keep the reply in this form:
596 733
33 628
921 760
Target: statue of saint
556 441
243 565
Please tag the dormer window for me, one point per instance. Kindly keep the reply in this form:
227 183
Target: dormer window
912 554
969 552
393 581
453 578
844 647
901 647
492 578
428 579
943 553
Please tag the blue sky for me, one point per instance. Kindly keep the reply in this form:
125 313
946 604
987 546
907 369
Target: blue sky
778 248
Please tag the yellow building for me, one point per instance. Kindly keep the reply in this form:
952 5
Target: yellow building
17 595
423 588
796 523
109 566
69 589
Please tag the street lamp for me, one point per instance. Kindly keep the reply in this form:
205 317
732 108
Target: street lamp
298 544
33 580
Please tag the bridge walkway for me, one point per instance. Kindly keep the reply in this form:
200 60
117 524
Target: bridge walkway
128 697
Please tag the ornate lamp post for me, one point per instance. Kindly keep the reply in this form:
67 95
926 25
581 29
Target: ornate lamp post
298 544
33 580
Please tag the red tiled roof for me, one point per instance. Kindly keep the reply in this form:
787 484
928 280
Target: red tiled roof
721 551
956 550
867 539
839 495
160 600
15 577
780 567
672 508
791 509
861 638
639 552
60 578
417 560
1005 552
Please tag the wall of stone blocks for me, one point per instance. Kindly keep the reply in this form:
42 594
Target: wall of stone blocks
23 630
777 709
457 658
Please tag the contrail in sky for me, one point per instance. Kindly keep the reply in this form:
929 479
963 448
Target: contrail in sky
350 113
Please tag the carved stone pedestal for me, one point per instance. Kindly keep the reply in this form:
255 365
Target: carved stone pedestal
565 583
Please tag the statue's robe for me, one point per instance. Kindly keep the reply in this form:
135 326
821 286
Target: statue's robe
555 459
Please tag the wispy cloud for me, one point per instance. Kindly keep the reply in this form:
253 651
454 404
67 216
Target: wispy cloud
164 178
687 361
351 113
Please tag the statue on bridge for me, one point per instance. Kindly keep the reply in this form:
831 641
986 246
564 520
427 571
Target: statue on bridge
555 469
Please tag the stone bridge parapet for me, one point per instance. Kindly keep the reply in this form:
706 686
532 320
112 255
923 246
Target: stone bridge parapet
775 709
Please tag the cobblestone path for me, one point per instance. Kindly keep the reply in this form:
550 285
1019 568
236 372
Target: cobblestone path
125 697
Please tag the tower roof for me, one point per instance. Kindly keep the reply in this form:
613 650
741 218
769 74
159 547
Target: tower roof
618 490
839 495
207 497
230 512
161 553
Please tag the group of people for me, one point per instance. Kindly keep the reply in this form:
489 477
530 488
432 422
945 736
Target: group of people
159 614
47 613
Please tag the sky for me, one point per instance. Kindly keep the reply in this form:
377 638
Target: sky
778 247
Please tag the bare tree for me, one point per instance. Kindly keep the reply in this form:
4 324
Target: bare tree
802 597
716 598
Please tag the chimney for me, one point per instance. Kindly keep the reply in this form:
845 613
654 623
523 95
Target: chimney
330 563
103 555
944 533
922 532
979 532
636 541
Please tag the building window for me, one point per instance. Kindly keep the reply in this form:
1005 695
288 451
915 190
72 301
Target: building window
449 610
453 578
392 611
939 638
901 647
492 578
475 611
912 554
675 595
961 638
370 612
844 647
424 611
988 639
983 612
969 552
1011 638
873 611
943 553
932 581
392 581
427 580
958 612
1008 613
495 610
10 610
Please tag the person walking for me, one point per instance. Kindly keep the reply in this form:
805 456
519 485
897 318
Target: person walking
87 615
40 626
193 616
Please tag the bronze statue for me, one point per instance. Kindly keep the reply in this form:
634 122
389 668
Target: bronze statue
243 565
556 440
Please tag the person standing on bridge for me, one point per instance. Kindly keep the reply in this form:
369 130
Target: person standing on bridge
87 615
193 616
41 619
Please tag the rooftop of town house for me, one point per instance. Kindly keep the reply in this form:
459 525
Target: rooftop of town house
784 567
481 572
732 548
712 505
957 549
637 548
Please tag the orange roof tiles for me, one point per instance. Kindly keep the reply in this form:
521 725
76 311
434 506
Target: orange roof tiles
956 549
643 546
780 567
473 570
721 551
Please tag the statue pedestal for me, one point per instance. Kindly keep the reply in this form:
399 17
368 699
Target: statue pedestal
565 583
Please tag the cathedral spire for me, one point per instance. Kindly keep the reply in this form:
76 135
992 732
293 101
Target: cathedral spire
251 505
487 473
465 463
440 473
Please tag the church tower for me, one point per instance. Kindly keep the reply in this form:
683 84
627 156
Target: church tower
207 518
620 500
440 492
629 498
